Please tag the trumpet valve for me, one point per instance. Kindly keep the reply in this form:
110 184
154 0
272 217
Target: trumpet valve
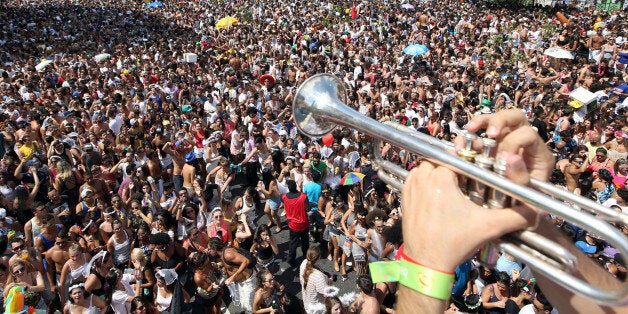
496 198
468 153
477 191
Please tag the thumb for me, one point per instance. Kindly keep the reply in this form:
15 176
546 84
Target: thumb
501 221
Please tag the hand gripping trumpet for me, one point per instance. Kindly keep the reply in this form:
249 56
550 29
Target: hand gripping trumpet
319 106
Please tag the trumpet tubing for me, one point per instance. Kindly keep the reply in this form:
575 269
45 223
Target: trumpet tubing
319 106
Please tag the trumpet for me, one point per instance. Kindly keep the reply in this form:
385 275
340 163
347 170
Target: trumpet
319 106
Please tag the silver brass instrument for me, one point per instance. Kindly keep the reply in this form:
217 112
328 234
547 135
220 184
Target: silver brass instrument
319 106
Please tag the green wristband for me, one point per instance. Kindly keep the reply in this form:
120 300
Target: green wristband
424 280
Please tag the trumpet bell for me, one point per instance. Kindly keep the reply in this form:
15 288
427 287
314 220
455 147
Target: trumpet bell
317 90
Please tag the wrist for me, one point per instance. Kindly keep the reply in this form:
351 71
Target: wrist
430 260
409 301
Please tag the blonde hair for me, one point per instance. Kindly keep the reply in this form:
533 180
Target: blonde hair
313 255
139 255
10 270
75 248
64 170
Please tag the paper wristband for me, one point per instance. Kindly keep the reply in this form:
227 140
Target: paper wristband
424 280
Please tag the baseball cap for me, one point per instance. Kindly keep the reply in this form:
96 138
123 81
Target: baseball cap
85 192
32 162
190 157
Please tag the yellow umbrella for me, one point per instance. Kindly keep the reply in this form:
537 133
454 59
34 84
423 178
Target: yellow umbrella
226 22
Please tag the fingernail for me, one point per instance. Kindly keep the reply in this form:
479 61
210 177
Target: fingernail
491 131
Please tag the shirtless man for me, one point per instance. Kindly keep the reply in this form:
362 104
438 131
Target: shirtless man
95 183
154 169
99 127
424 20
366 302
56 257
237 267
292 75
595 44
576 166
189 171
177 150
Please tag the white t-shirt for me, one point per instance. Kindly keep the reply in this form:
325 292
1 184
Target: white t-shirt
119 298
116 124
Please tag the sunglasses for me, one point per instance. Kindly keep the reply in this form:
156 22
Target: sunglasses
18 248
61 242
19 271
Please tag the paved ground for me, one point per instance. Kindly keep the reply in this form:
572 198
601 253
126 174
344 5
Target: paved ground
289 277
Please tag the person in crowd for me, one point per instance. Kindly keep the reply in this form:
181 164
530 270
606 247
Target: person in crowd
121 293
268 296
270 190
32 281
366 302
246 205
95 272
73 269
144 275
141 306
313 280
208 290
239 268
333 216
119 245
169 296
56 257
296 204
334 306
81 301
243 236
357 231
494 296
265 249
219 227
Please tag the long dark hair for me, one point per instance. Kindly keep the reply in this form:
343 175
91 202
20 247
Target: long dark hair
258 232
137 302
267 178
112 280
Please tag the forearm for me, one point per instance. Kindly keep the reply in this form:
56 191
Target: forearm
410 301
51 277
239 271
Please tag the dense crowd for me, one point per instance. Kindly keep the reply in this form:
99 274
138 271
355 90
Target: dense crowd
149 158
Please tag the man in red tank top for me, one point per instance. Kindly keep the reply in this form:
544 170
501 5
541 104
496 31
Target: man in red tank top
295 203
